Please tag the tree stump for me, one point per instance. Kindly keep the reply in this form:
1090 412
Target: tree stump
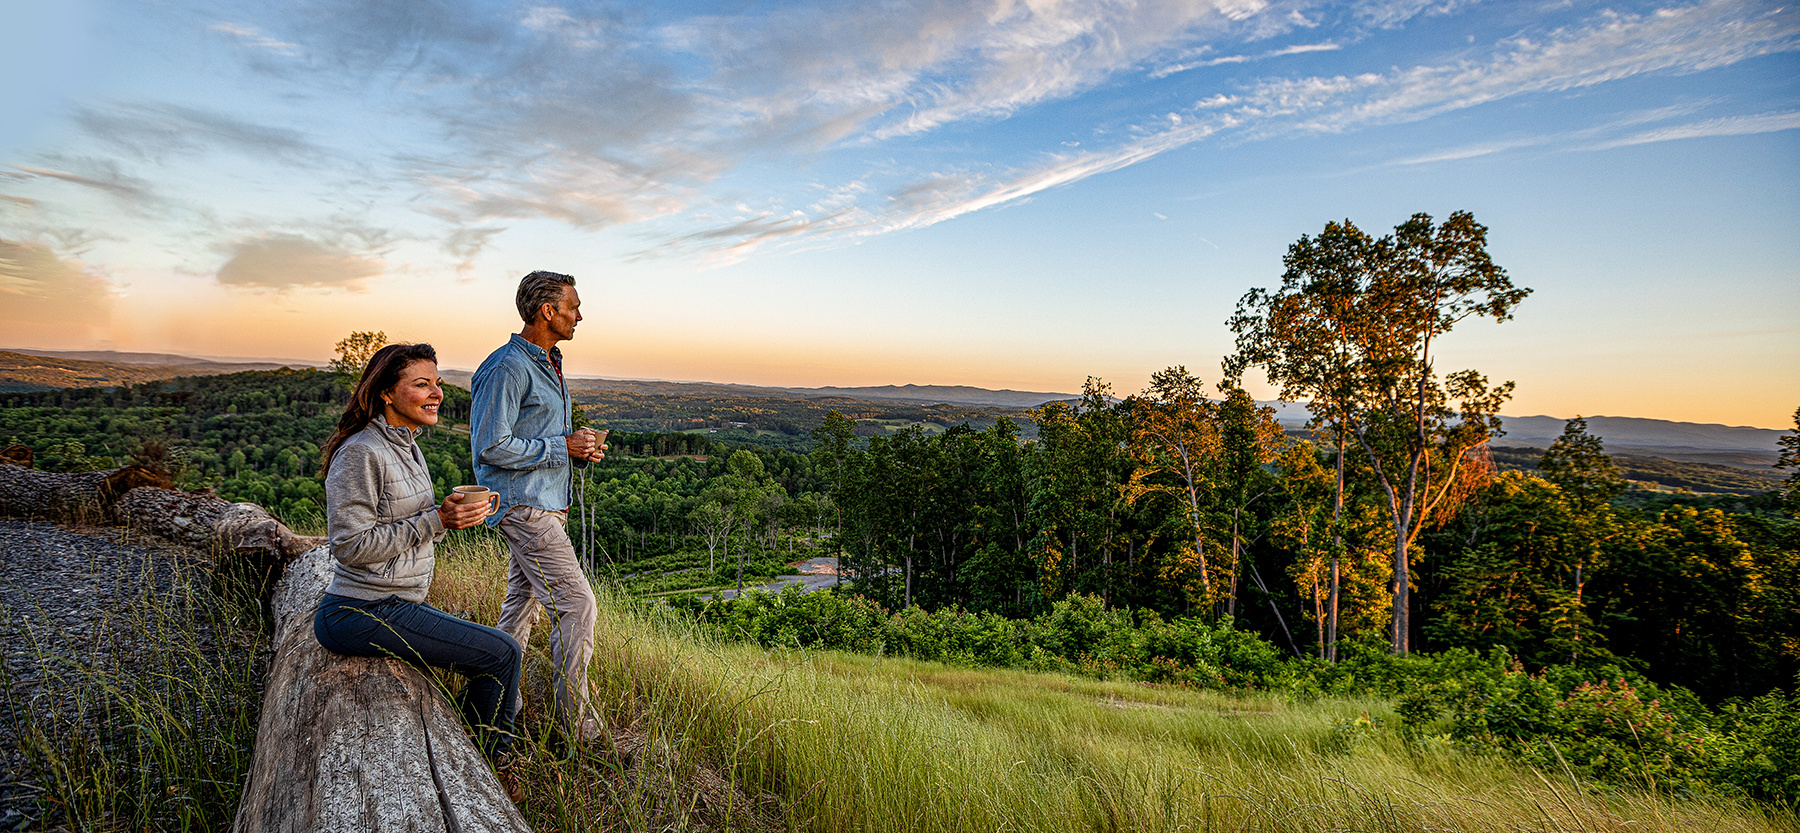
17 455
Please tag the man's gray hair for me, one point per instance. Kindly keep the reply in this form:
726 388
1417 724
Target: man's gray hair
537 289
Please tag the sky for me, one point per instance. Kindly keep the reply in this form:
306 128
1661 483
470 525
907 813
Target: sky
993 193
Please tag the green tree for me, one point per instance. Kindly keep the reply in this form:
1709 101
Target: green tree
834 456
1175 441
1000 575
1249 440
1578 465
714 523
354 352
1790 458
1353 328
1513 581
745 492
1078 474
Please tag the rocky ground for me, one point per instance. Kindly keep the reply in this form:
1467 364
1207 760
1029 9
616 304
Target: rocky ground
58 588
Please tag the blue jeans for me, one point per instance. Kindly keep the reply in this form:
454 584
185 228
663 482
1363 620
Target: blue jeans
422 635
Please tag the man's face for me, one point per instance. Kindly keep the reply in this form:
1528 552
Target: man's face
564 314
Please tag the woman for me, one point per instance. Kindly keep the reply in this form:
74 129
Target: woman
384 527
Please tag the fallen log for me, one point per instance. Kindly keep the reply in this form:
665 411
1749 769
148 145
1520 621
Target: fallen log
356 743
344 743
144 500
202 520
61 497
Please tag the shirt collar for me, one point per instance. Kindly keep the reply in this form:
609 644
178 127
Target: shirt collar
537 352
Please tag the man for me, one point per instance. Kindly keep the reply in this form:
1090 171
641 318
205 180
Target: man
524 447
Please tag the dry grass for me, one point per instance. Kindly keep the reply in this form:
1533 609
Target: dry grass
728 736
142 714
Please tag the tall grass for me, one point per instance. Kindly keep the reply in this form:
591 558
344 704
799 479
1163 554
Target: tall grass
151 728
721 735
146 720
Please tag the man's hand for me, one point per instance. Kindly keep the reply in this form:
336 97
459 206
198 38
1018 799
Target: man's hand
461 515
587 445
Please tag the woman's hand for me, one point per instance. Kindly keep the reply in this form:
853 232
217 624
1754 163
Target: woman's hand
461 515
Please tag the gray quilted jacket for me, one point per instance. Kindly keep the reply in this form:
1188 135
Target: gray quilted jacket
380 514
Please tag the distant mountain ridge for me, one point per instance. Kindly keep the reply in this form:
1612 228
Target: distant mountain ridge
1742 446
1643 431
119 357
1731 445
946 394
1734 445
21 371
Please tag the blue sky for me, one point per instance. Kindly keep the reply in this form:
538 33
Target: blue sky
1004 194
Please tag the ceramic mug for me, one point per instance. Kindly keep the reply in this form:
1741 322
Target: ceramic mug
465 494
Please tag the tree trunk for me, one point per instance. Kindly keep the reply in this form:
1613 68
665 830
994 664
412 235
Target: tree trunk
1331 633
909 557
1402 595
358 743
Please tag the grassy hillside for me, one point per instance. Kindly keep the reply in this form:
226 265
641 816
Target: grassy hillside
713 734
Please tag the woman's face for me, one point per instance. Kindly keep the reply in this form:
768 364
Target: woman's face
413 401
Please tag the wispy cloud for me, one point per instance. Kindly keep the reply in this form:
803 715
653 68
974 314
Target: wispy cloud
1297 49
285 261
1727 126
251 37
99 174
1389 14
1471 151
153 131
1610 47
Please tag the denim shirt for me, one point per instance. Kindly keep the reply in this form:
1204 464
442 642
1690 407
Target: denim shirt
517 422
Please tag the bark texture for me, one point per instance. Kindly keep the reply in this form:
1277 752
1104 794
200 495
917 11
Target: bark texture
202 520
87 497
354 743
143 499
344 743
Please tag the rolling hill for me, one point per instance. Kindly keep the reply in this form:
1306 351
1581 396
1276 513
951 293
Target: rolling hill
792 410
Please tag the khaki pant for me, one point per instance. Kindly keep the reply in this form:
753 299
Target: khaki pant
545 571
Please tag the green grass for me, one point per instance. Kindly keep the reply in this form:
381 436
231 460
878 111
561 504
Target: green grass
147 720
709 735
831 741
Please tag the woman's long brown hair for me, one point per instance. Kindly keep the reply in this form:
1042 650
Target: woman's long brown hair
382 374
